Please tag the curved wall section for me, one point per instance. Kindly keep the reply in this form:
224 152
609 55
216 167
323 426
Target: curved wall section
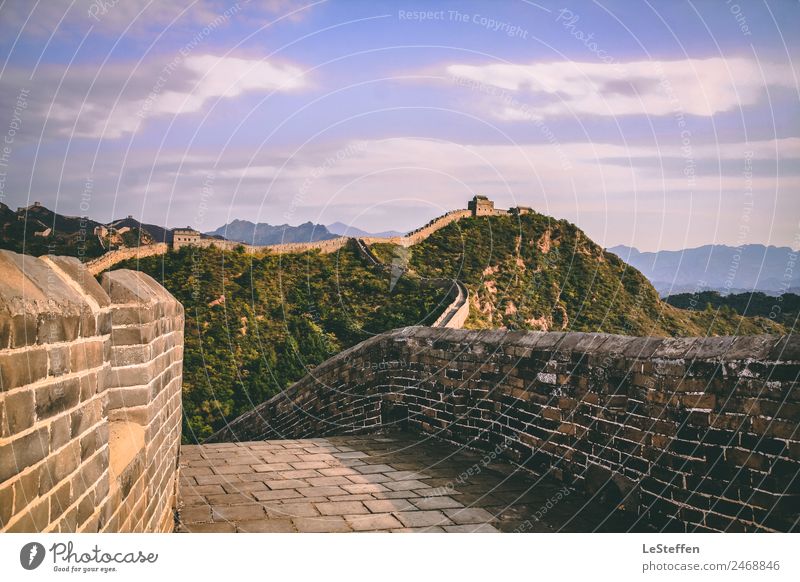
90 398
693 434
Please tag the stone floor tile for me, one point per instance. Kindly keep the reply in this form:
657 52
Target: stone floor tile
342 508
319 499
395 495
386 505
276 494
316 457
351 455
206 490
230 499
372 522
238 512
309 465
244 487
411 484
195 471
231 469
436 502
325 481
286 484
405 475
270 467
266 526
351 497
422 518
434 491
370 469
356 488
471 528
376 478
325 524
337 471
289 510
200 513
301 474
350 463
215 527
331 491
469 515
217 479
271 458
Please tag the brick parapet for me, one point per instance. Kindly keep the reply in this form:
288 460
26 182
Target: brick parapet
691 434
68 462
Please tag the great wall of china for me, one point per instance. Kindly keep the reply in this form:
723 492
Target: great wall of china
696 433
689 434
105 262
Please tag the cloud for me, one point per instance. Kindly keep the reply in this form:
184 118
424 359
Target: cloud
84 101
617 193
112 17
701 87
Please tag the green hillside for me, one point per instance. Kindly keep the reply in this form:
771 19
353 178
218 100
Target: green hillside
535 272
783 309
281 315
255 324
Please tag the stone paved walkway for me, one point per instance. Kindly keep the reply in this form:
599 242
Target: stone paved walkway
391 483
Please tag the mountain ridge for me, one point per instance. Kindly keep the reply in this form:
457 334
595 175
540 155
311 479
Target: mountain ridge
343 229
722 268
263 233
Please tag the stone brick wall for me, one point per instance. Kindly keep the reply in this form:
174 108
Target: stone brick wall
420 234
692 434
324 246
456 314
111 258
90 413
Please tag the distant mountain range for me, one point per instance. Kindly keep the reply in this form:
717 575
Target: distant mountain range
262 233
343 229
37 230
720 268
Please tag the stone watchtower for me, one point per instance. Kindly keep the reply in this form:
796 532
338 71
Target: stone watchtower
481 206
182 237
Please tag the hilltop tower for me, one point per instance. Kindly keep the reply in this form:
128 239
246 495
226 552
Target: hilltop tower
182 237
481 206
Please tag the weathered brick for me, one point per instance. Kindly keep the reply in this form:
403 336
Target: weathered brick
57 397
18 413
86 355
22 367
33 519
6 503
23 452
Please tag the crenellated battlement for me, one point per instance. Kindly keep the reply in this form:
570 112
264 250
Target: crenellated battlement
90 398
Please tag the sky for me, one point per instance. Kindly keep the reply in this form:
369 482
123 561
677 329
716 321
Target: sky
658 125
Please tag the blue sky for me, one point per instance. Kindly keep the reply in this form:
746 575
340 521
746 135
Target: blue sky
659 125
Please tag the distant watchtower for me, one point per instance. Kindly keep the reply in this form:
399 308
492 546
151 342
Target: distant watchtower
481 206
182 237
520 210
